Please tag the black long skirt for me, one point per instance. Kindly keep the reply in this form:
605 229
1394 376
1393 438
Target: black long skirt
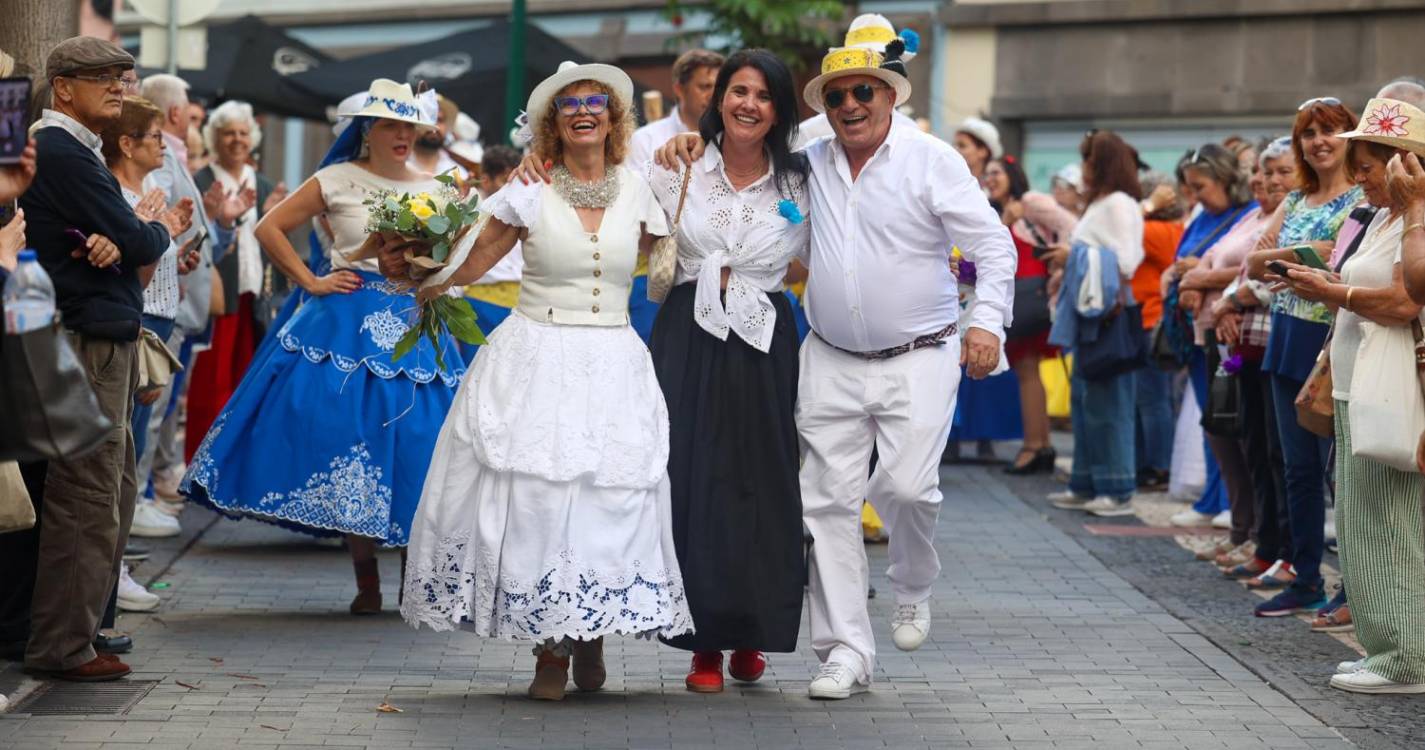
732 462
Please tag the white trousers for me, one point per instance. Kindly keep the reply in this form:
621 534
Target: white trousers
903 406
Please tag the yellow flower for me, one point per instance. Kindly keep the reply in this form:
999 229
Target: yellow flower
420 209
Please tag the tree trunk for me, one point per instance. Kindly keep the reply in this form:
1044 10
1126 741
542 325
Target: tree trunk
31 28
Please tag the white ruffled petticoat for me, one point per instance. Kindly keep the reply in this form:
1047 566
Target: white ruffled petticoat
546 513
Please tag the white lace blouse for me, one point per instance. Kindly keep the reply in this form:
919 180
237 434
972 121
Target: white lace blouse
744 231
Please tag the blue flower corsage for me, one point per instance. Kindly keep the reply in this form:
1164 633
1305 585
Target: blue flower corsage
789 210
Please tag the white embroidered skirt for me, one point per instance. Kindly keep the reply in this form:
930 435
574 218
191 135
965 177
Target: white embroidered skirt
545 512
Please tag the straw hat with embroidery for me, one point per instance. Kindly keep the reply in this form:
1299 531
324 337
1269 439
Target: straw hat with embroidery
1393 123
858 61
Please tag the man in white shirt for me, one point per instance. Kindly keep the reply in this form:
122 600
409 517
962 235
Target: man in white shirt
887 204
694 76
428 153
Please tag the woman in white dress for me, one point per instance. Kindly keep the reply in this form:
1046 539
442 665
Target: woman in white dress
546 513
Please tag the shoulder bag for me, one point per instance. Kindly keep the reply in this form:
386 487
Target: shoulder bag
1387 404
1031 300
47 405
663 260
1222 414
1120 346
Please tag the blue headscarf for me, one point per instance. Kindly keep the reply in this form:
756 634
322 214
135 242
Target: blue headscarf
348 145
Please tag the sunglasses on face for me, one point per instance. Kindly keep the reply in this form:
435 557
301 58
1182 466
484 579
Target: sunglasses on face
593 104
1329 101
864 93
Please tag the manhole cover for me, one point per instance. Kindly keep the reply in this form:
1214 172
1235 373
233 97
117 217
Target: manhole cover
68 698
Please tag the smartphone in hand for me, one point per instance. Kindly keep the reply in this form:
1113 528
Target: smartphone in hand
14 109
1306 255
1277 267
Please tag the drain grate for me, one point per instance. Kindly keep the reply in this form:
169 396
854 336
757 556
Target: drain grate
72 698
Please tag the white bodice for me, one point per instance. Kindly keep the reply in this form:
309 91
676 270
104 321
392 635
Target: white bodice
574 277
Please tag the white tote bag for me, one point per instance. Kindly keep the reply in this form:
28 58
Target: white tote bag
1387 409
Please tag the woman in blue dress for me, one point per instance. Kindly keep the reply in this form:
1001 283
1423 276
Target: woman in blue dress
327 434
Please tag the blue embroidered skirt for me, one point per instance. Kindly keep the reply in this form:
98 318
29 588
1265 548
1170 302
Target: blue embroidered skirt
326 434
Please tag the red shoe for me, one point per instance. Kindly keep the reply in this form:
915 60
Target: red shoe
706 676
102 668
747 665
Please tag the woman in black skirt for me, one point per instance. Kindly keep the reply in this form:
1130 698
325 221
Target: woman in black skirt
725 349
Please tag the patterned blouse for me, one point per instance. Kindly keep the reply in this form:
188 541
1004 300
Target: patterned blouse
1303 224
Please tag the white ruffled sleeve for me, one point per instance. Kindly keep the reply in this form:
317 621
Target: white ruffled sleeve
646 207
516 204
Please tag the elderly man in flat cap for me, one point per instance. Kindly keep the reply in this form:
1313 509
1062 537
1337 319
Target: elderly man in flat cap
93 245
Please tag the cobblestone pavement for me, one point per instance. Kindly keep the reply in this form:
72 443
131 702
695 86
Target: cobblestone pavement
1035 644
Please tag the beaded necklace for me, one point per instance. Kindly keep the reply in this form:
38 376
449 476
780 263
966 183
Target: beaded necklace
579 194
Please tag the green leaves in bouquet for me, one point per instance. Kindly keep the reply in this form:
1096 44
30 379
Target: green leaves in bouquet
440 250
459 318
405 221
450 313
438 224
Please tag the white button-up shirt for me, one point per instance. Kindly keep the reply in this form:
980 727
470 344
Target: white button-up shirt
651 137
880 244
744 231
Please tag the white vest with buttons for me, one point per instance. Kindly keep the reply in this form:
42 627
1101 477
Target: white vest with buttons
574 277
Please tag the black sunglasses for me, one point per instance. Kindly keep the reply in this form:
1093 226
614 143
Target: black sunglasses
864 93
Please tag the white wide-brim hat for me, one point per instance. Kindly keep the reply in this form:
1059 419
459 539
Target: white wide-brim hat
1391 122
388 100
571 72
873 31
853 61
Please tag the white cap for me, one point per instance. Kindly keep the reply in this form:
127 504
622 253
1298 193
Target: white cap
985 132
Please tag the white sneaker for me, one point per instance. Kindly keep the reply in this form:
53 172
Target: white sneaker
1348 667
1366 681
1067 500
132 596
1222 520
1190 518
835 681
910 625
1104 506
171 507
151 522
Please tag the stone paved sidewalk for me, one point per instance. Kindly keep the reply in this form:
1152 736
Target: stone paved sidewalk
1035 644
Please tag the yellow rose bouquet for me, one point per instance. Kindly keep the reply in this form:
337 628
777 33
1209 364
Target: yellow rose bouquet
431 223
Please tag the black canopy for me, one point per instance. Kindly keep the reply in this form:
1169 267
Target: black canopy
251 60
469 68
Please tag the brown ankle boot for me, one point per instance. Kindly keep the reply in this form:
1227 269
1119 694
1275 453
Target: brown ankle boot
368 588
589 672
551 675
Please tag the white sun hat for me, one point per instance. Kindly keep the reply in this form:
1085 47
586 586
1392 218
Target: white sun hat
853 61
388 100
571 72
1391 122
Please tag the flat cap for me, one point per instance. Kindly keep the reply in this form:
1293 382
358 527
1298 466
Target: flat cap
84 53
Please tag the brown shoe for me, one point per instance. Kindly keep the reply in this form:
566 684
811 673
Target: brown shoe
589 672
368 588
551 675
102 668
